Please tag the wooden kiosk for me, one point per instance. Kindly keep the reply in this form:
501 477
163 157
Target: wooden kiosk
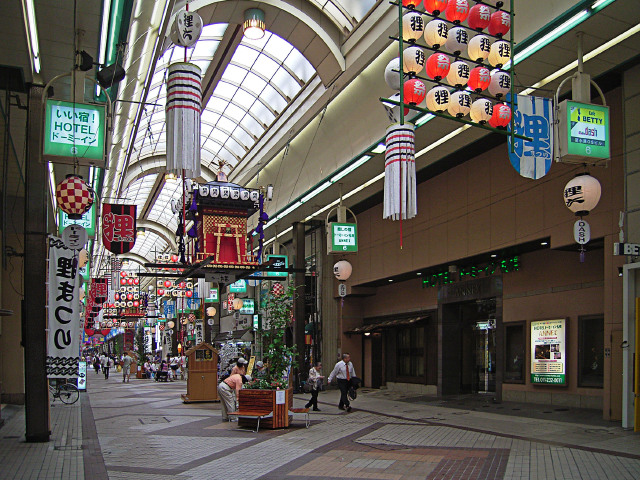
202 382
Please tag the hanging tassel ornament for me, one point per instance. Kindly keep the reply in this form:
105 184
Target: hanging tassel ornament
400 173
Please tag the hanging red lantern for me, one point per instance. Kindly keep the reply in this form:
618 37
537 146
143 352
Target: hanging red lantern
136 303
479 79
160 292
167 283
123 274
188 294
130 296
435 6
174 258
438 66
74 196
500 23
414 91
183 284
130 281
123 281
457 11
136 281
411 3
479 17
116 296
501 116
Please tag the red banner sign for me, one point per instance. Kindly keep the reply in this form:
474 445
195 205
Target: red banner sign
118 227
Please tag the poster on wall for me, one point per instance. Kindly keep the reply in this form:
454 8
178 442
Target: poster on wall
548 352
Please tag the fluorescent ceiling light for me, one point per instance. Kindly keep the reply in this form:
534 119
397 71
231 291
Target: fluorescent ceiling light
351 168
104 30
600 4
52 186
425 119
32 33
379 149
315 192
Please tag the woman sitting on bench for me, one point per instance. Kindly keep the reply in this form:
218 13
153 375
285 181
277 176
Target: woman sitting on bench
163 372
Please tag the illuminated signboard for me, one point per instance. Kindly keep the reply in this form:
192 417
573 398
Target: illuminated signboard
279 261
584 131
88 221
548 352
343 238
238 287
213 296
248 306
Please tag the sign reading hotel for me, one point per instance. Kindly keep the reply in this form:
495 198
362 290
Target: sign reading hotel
343 238
88 221
584 131
74 132
548 352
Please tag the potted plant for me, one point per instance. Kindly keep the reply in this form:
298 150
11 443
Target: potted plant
141 346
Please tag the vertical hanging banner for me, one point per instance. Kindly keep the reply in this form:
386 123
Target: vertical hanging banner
532 117
118 227
63 345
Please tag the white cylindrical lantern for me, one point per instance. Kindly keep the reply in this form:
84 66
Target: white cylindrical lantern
412 26
435 33
342 270
458 75
171 324
459 104
582 194
237 304
479 48
481 110
391 77
399 174
413 60
500 53
457 40
500 83
438 99
211 311
184 102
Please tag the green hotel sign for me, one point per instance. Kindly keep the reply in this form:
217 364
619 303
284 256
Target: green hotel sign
343 237
583 131
88 221
74 132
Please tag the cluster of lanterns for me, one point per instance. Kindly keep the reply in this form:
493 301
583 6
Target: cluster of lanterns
168 258
448 40
167 288
115 323
125 279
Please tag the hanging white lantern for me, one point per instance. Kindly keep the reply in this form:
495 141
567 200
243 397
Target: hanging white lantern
391 77
458 75
186 28
500 53
413 60
500 83
412 26
438 99
582 194
237 303
399 173
435 33
211 311
481 110
457 40
479 48
342 270
459 104
171 324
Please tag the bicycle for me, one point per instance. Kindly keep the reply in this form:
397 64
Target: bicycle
67 392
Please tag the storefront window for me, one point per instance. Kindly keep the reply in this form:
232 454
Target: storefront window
590 352
410 351
514 368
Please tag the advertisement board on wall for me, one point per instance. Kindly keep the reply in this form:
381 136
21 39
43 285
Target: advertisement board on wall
548 352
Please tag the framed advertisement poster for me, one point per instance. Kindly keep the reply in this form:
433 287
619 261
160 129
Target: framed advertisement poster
549 352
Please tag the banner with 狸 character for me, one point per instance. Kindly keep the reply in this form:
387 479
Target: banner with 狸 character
118 227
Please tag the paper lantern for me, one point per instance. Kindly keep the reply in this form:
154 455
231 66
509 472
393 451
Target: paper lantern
412 26
435 6
74 196
413 60
500 83
116 296
438 66
123 274
136 281
130 281
438 99
414 91
167 283
171 324
435 33
342 270
457 10
174 258
457 40
481 110
123 281
479 17
130 296
211 311
399 201
237 303
188 293
479 79
500 53
391 77
458 74
501 116
129 304
136 303
182 284
479 48
582 194
500 23
459 104
186 28
160 292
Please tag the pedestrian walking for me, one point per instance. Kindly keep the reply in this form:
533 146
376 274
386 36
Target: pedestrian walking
315 380
126 367
343 372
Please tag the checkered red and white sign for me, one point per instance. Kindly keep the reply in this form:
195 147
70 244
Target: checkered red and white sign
277 289
73 195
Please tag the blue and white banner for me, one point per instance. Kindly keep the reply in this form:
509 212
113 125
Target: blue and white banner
532 117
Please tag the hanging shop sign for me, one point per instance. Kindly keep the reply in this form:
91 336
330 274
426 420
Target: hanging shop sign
74 132
82 375
548 352
213 296
118 227
248 306
532 117
87 220
343 237
581 232
238 287
279 261
63 312
257 322
199 332
583 131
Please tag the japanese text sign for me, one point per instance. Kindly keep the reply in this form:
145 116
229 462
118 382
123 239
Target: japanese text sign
344 237
88 221
548 352
583 131
118 227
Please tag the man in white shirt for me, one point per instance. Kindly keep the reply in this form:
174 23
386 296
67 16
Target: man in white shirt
343 372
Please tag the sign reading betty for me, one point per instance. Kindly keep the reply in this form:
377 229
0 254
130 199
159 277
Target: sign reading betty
118 227
548 352
584 131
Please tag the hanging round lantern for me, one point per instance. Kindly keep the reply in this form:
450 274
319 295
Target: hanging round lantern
412 26
458 75
188 293
413 60
411 3
438 66
479 79
123 274
414 91
438 99
171 324
459 104
211 311
479 48
501 116
582 194
174 258
167 283
130 281
182 284
391 77
136 303
500 53
160 292
129 304
109 324
123 281
435 6
129 296
116 296
74 196
500 23
83 258
481 111
457 10
457 40
500 83
237 303
435 33
342 270
136 281
479 17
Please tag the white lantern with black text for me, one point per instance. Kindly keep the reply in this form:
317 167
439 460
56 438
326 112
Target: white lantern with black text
458 75
342 270
582 194
186 28
435 33
413 60
391 77
479 48
500 53
481 110
438 99
412 26
500 83
457 40
459 104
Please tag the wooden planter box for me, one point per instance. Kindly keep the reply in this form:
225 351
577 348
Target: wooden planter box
266 399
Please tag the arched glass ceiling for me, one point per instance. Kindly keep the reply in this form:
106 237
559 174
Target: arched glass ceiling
345 13
138 192
148 244
161 210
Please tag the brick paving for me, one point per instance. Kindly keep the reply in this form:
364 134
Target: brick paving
143 431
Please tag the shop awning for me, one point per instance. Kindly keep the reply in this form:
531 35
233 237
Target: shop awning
401 322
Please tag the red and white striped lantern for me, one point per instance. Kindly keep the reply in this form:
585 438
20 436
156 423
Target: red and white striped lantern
74 196
400 173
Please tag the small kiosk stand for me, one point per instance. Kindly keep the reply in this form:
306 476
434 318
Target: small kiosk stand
202 382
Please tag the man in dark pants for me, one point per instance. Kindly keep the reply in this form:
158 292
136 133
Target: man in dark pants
343 372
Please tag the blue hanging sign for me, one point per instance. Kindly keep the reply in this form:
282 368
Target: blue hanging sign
532 117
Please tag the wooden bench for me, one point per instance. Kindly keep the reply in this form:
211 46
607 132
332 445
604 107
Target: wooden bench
256 413
307 420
